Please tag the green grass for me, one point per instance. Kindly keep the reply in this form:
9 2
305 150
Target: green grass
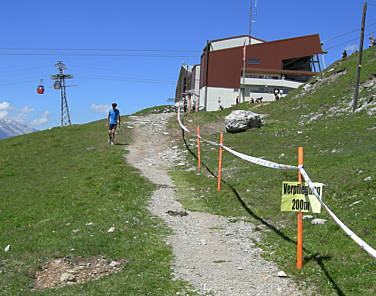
154 110
58 180
339 151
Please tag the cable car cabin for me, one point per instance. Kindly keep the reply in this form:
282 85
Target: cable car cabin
40 89
57 85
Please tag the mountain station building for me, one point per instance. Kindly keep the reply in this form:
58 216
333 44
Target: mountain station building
245 68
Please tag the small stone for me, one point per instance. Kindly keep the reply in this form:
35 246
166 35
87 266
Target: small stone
111 229
67 277
307 217
7 248
354 203
75 230
114 264
282 274
369 178
90 223
318 221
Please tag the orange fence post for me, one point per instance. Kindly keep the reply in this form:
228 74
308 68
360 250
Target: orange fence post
299 251
198 147
220 162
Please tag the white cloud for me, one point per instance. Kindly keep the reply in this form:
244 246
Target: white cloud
100 108
41 120
21 115
27 109
3 114
4 106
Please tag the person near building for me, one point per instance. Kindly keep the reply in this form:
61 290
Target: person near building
344 54
185 105
220 106
372 42
113 121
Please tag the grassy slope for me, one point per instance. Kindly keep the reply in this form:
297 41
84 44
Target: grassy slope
339 151
56 181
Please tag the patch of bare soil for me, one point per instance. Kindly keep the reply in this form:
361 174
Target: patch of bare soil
68 271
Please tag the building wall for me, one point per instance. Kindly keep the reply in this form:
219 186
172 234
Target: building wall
197 84
225 66
184 81
195 81
226 95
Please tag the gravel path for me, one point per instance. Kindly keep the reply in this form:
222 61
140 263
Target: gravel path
213 253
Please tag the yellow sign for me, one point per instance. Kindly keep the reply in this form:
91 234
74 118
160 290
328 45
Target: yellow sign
298 197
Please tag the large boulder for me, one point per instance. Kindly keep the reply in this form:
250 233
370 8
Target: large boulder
241 120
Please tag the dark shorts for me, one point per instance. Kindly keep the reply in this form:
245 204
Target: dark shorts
112 127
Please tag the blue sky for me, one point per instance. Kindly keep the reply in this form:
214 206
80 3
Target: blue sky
178 28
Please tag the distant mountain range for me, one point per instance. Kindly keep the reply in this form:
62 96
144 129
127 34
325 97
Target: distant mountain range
10 128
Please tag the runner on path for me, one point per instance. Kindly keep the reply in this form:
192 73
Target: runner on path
112 122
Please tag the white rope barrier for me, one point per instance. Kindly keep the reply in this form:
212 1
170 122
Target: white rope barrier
347 230
274 165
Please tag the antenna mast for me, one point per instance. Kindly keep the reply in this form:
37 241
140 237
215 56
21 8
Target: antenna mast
60 84
252 12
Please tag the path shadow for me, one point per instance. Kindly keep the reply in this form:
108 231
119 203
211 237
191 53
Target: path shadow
316 257
241 201
319 260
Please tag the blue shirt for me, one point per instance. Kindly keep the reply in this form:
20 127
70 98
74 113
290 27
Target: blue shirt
114 115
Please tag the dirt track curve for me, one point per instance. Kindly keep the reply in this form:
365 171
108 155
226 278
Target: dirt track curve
212 253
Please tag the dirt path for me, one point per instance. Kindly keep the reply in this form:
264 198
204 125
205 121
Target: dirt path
212 253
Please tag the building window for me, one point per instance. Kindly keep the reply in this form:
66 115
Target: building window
253 61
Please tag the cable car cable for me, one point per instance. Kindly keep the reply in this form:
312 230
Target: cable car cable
342 43
139 80
98 49
343 34
95 55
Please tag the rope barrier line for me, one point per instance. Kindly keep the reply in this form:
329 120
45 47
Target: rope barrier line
260 161
347 230
274 165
